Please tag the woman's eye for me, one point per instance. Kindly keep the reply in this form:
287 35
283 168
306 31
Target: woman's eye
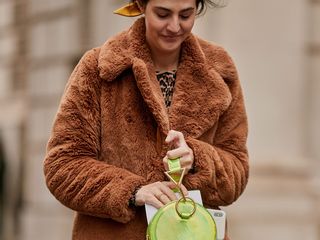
162 15
184 16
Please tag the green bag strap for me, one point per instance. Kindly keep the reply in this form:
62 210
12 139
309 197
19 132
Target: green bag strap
175 173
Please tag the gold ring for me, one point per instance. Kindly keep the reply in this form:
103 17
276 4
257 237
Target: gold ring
159 196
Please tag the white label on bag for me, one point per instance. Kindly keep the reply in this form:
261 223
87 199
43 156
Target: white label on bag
219 217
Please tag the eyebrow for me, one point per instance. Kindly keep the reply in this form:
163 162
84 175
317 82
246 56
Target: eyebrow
168 10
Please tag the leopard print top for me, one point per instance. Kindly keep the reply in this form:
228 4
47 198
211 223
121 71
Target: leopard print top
167 81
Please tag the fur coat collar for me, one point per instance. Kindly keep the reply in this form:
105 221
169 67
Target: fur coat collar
201 93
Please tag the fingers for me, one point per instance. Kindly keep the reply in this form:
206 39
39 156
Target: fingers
175 137
153 201
165 163
156 194
185 162
164 199
168 190
181 150
161 198
178 152
181 187
184 190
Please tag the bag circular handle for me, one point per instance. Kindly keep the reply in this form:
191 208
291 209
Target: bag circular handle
182 213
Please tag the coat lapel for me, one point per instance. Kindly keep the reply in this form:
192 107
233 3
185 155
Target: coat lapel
200 94
150 90
129 50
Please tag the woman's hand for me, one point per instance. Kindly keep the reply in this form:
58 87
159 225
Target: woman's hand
181 150
157 194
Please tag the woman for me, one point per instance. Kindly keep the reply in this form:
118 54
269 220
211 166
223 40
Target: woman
121 119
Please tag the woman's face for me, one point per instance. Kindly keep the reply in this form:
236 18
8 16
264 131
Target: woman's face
168 23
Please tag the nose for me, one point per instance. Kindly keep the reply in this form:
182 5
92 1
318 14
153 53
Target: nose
174 25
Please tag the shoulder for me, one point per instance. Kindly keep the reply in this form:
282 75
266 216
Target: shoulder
118 52
89 60
114 44
102 62
213 51
218 58
86 74
107 60
88 64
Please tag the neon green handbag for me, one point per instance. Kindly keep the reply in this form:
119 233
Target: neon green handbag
182 219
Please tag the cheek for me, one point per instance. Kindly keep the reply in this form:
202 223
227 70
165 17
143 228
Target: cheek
153 27
187 27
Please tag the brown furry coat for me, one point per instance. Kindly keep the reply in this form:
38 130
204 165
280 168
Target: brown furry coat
108 135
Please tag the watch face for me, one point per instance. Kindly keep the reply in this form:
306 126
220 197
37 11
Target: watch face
182 220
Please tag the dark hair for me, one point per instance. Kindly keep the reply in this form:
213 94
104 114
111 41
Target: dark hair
201 4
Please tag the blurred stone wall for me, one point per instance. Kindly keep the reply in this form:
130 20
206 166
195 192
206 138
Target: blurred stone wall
12 108
276 47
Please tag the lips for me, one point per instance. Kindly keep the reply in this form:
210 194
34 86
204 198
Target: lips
171 38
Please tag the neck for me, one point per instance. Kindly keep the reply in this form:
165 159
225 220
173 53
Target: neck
165 62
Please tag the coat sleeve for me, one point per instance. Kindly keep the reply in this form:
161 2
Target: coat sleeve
74 173
221 169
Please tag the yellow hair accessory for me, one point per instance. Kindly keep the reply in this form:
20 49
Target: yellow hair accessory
129 10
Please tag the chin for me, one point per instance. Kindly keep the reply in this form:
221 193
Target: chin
170 47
